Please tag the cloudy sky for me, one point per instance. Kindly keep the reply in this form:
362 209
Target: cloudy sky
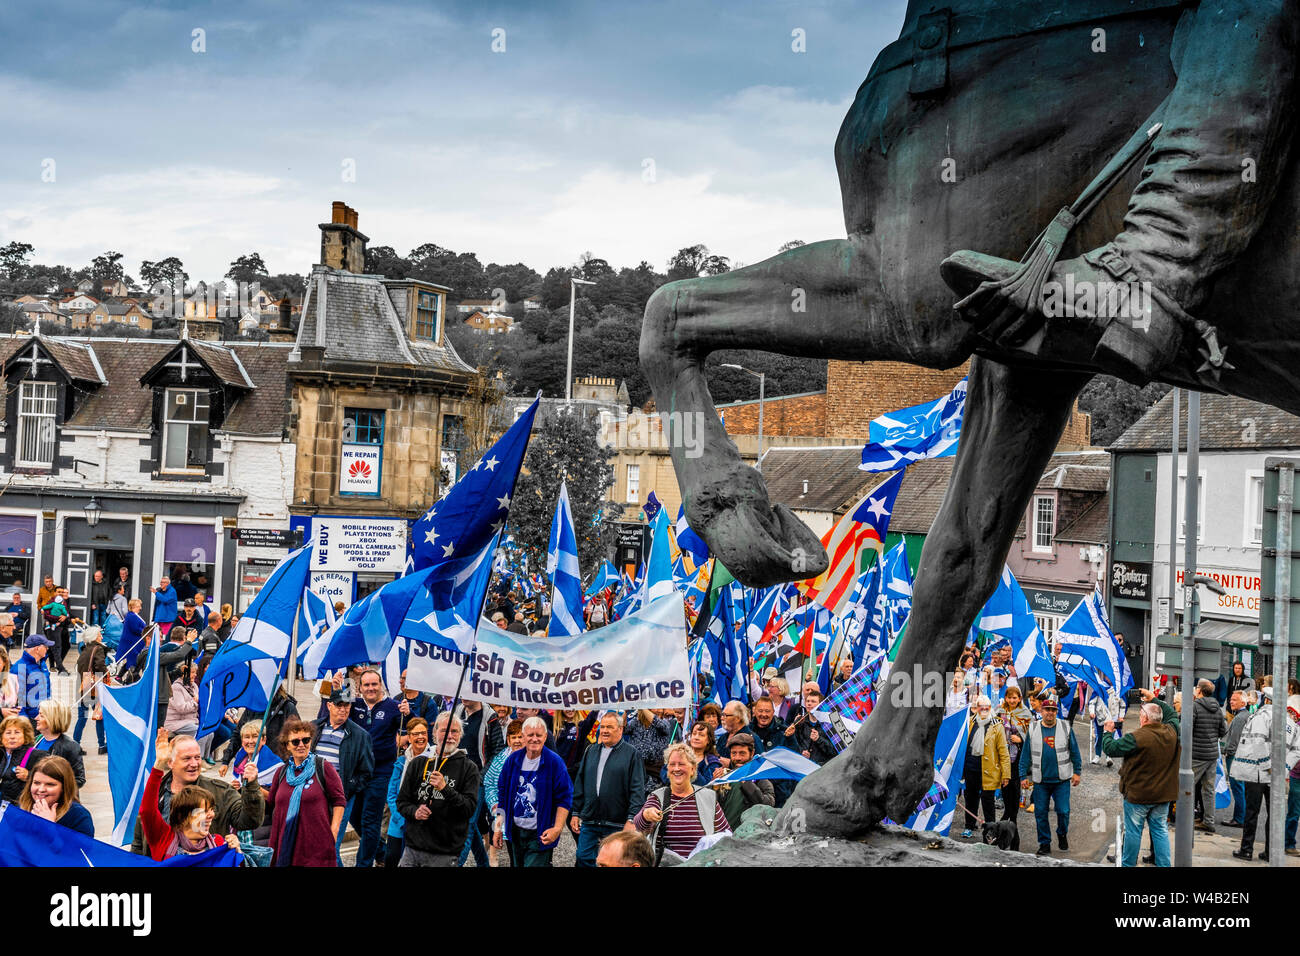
629 129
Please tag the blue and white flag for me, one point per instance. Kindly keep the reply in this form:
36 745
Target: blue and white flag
864 618
1089 650
562 568
130 726
658 579
246 668
896 575
267 764
690 542
315 617
606 576
928 430
938 806
27 840
779 763
724 640
1007 613
651 507
1222 792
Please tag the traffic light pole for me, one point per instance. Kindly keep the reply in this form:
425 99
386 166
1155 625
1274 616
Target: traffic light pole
1191 618
1277 797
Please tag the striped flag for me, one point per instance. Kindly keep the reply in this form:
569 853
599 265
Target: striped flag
1007 613
937 807
562 567
867 522
130 726
1089 651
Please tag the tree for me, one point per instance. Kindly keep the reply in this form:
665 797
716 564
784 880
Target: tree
593 269
14 258
792 244
384 261
1115 405
555 288
516 280
107 267
694 261
248 269
169 273
285 283
564 445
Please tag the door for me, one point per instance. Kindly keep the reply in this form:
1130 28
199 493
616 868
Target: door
77 580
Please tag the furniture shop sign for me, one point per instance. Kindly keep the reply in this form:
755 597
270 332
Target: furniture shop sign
358 544
1241 597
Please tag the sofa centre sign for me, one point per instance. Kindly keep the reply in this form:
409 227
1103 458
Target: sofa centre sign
1241 599
359 544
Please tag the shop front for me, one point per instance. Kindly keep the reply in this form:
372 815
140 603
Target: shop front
353 555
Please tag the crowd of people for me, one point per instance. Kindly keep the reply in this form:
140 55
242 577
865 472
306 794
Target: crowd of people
1022 754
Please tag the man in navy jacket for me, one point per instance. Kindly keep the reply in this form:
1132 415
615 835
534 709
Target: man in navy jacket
608 789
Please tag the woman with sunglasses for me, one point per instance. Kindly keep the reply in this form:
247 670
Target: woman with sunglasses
306 802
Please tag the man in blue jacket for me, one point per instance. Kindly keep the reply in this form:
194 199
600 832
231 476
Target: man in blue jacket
164 604
380 717
608 789
535 796
33 675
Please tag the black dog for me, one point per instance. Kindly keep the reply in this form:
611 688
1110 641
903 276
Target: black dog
1002 834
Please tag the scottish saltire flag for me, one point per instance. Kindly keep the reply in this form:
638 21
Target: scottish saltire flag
27 840
1007 613
130 726
690 542
722 640
246 668
1090 651
562 568
866 522
896 575
315 617
768 603
1222 792
779 763
864 616
928 430
436 605
991 646
606 576
464 521
658 579
937 807
267 764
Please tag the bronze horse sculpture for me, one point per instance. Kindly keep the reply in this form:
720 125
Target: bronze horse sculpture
982 128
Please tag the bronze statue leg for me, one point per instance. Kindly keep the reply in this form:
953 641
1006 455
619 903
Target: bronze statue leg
821 299
1014 417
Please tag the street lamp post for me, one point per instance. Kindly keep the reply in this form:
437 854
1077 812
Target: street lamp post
762 382
568 369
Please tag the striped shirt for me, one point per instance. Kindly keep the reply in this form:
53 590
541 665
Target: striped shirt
327 746
682 830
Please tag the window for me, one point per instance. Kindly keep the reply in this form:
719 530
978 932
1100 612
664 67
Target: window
185 430
37 403
1047 624
426 315
633 483
1044 522
364 426
453 433
1255 511
1182 507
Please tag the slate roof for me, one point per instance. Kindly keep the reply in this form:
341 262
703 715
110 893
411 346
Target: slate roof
362 326
1228 423
1091 527
832 475
1083 471
121 403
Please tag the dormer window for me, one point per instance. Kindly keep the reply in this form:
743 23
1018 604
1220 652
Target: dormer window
37 407
186 430
426 315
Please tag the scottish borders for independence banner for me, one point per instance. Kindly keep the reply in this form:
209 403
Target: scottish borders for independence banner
639 661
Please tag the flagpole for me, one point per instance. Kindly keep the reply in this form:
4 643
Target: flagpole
496 542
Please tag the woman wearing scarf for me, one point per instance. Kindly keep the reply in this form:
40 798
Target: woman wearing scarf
988 765
306 802
188 827
1015 718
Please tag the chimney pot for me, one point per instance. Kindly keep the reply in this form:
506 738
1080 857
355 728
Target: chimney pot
338 213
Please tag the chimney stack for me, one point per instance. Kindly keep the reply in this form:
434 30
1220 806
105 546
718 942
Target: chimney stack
342 246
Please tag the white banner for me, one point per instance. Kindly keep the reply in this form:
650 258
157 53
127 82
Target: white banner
637 662
358 544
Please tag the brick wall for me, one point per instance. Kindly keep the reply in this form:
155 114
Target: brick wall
857 392
787 415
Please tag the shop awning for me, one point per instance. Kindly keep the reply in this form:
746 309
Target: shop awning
1229 632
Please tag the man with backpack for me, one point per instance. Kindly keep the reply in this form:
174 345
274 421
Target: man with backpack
597 613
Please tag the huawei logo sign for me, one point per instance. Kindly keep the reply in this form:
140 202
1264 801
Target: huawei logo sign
359 469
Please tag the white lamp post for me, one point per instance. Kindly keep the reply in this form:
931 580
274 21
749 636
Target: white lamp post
568 369
762 379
